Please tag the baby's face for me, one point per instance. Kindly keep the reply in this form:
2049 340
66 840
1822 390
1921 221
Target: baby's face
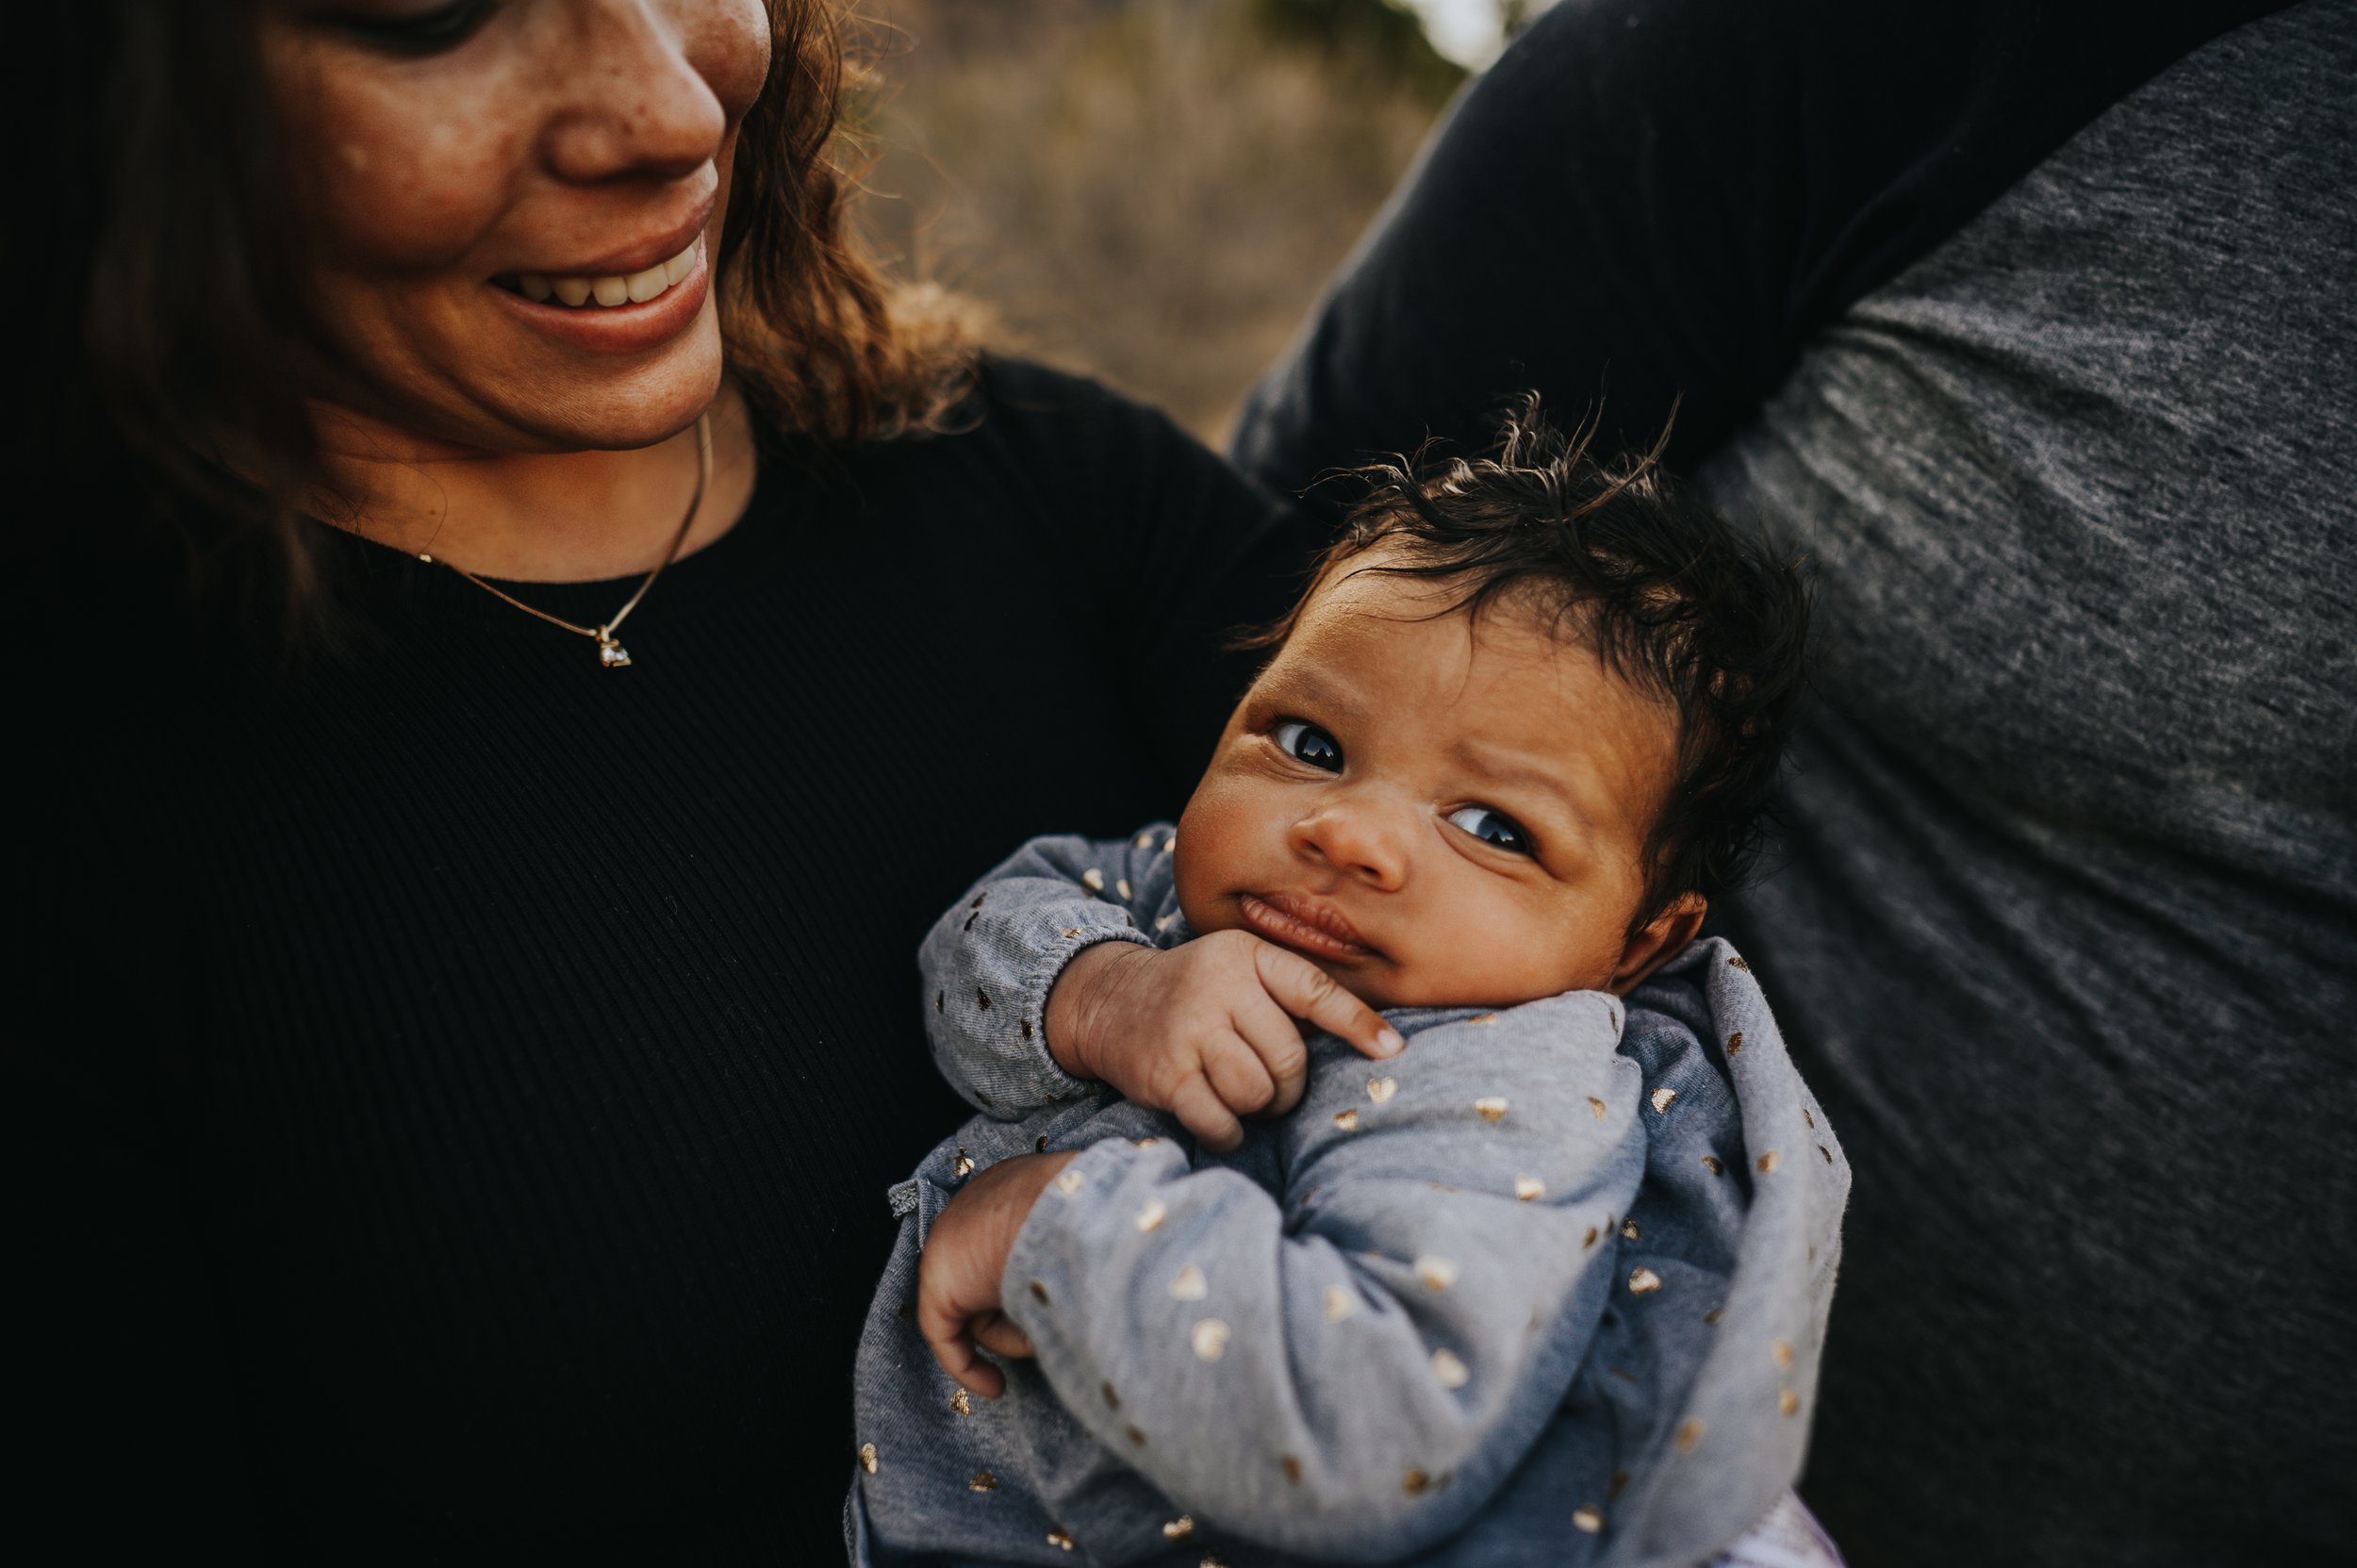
1435 812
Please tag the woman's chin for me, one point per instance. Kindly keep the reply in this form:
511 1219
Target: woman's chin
617 410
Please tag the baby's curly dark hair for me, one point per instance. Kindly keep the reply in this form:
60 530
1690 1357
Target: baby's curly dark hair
1621 560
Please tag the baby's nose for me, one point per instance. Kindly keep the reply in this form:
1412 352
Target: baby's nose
1357 839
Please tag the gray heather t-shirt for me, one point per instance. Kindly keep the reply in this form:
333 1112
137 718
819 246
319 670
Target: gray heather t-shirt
2066 935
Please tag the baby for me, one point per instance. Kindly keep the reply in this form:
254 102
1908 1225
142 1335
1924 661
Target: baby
1530 1265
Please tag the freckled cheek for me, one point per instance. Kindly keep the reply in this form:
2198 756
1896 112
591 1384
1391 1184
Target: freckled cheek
391 200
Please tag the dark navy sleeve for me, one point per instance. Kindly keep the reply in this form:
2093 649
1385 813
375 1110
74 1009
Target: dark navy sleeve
1654 202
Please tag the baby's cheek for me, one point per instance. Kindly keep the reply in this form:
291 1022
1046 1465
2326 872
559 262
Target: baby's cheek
1213 852
1499 951
1579 949
1190 875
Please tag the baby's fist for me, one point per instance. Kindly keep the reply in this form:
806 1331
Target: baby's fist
958 1307
1204 1030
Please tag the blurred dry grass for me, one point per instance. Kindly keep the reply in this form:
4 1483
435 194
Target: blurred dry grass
1148 191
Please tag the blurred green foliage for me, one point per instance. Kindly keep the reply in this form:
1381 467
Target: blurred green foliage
1148 191
1377 34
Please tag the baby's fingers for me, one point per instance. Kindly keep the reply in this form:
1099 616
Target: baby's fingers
1311 994
1275 1044
1201 1111
996 1332
955 1351
1245 1083
946 1321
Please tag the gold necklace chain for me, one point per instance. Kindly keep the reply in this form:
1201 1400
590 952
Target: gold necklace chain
610 653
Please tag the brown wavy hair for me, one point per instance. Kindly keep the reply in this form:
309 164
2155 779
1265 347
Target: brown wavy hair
176 344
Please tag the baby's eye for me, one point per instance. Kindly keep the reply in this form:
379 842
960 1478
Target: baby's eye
1310 744
1492 827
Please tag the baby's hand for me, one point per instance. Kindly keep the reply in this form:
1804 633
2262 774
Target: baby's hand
965 1252
1204 1030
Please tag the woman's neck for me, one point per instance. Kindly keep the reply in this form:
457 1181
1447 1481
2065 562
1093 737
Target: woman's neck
536 518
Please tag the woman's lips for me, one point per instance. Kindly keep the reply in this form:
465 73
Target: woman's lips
617 329
1306 925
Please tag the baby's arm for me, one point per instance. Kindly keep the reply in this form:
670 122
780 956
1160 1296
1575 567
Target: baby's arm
990 963
1048 972
1349 1372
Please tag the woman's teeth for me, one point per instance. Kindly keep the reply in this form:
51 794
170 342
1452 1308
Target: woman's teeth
637 289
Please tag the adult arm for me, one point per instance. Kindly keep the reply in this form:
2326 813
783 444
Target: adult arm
119 1381
1650 201
119 1390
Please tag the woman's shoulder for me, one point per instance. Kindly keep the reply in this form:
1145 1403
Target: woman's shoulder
1060 451
1009 384
1006 400
1020 402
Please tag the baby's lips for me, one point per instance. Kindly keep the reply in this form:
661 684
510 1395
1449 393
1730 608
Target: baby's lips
1308 926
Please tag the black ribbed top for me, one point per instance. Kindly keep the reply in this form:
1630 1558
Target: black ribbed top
461 1082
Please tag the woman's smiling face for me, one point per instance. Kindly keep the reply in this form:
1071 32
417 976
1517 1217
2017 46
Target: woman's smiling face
451 160
1436 810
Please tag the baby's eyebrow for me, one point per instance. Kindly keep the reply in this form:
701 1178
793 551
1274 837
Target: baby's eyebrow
1506 768
1509 771
1310 686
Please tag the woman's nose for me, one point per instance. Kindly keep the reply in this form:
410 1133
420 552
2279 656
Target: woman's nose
1357 839
639 106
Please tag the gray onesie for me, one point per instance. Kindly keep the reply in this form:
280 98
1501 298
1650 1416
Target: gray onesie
1549 1286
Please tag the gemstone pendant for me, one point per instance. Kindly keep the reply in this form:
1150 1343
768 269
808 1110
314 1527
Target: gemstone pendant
611 653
